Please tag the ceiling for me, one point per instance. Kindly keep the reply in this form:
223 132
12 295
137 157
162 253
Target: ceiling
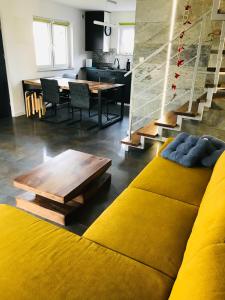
122 5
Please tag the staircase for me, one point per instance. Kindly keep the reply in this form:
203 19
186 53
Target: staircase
152 118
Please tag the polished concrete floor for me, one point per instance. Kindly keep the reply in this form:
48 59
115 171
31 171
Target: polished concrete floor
26 143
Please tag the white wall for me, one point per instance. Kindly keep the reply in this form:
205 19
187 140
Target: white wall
120 17
16 18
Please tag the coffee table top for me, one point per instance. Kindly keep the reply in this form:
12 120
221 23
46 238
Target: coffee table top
63 177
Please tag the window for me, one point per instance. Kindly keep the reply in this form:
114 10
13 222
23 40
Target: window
126 39
51 40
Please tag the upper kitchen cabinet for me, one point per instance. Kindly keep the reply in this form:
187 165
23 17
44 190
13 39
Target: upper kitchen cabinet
97 37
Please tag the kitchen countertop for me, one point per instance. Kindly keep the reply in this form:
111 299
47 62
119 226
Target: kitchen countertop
105 69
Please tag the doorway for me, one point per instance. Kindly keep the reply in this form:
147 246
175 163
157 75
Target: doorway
5 109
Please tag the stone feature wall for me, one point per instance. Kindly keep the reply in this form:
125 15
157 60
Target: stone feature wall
152 31
109 57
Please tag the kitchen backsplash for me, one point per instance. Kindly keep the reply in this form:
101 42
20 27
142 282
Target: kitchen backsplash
108 57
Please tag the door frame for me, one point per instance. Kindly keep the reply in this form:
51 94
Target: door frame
6 66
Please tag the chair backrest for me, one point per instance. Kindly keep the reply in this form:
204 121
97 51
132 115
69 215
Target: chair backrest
50 90
69 75
80 95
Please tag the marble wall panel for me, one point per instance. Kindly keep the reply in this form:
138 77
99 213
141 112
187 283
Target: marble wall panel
152 31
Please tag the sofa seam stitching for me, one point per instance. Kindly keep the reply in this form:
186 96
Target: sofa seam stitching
134 187
127 256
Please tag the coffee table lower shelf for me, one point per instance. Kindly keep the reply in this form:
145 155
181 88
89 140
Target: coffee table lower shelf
58 212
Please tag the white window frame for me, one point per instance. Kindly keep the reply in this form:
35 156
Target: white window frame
53 66
124 25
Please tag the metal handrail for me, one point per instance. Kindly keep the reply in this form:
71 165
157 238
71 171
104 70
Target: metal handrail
166 44
161 80
158 67
149 115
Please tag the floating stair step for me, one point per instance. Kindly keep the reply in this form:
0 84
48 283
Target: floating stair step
221 11
135 140
183 110
216 52
221 86
169 120
210 85
213 69
150 130
202 98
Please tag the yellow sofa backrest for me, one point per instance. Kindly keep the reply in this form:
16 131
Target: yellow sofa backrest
202 273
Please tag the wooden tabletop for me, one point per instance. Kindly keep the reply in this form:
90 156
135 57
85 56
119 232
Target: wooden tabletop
63 83
63 177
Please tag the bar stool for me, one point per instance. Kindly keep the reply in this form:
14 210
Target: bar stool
34 103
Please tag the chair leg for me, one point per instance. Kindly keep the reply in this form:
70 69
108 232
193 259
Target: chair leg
107 111
90 115
72 113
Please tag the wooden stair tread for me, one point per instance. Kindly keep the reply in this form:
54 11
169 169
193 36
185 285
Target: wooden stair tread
202 98
168 120
134 141
183 110
150 130
221 11
221 86
210 85
214 51
213 69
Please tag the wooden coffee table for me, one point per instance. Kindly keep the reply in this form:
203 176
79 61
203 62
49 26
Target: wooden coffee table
57 187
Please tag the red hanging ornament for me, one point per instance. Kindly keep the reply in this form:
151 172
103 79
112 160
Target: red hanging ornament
181 57
187 22
182 35
180 62
180 49
187 7
174 87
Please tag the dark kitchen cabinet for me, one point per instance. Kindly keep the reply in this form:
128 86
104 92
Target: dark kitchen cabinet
95 37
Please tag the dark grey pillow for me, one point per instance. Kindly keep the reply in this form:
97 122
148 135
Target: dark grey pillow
215 150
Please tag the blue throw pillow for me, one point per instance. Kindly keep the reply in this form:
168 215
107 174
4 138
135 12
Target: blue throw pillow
187 150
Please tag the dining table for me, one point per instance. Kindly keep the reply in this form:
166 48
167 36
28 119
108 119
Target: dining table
96 88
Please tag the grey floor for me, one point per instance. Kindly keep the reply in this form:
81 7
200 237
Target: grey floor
25 143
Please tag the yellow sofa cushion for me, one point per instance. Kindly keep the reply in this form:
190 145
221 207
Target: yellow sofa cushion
203 278
147 227
167 178
202 274
40 261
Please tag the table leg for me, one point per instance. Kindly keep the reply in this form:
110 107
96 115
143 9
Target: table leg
114 120
122 107
100 109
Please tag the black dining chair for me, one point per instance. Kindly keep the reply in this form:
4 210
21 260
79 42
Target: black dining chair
52 94
81 99
69 75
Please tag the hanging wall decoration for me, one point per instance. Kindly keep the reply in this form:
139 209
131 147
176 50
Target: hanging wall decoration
186 21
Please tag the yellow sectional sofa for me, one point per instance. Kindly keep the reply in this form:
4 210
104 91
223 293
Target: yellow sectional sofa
162 238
